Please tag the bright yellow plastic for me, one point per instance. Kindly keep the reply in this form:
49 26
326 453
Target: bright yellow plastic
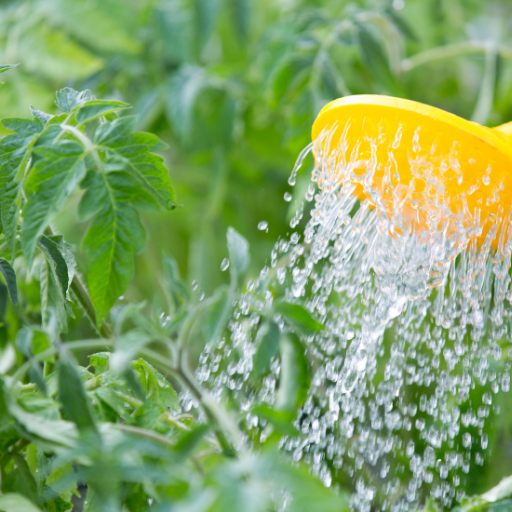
477 167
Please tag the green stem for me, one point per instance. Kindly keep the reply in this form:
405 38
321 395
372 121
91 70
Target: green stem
141 432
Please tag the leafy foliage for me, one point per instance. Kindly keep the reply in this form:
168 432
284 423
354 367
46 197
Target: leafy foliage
119 421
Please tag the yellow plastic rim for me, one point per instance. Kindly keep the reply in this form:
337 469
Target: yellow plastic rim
463 164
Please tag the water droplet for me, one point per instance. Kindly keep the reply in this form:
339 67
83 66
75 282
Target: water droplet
224 264
287 197
486 179
263 225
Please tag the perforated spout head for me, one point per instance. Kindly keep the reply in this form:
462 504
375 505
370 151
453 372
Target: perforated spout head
420 153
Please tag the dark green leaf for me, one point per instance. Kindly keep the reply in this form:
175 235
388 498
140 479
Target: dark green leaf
89 110
401 24
294 379
133 153
13 502
268 347
155 386
207 13
241 16
15 151
73 397
57 263
52 180
10 279
238 248
25 484
298 316
281 420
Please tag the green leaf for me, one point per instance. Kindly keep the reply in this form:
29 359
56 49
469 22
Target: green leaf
241 16
6 67
375 60
39 114
111 240
176 288
10 279
238 248
68 99
155 386
298 316
25 482
73 397
267 348
57 263
294 380
51 182
99 362
401 24
132 152
184 89
93 109
281 420
217 315
207 12
15 151
14 502
188 442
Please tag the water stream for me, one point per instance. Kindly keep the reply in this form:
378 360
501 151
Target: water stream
414 293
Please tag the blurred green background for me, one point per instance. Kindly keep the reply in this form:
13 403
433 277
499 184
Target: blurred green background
233 87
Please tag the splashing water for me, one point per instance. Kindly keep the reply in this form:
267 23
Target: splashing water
414 292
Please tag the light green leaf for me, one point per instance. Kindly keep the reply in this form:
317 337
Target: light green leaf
207 12
52 180
238 248
10 279
13 502
501 491
73 397
155 386
298 316
51 52
294 380
176 288
281 420
39 114
217 315
14 154
92 109
6 67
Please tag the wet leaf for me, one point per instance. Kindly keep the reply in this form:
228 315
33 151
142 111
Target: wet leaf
298 316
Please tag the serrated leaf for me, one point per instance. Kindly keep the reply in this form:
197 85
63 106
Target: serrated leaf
238 248
155 386
281 420
73 397
67 252
294 379
14 502
133 153
113 237
298 316
184 89
51 182
57 263
67 98
10 279
267 348
14 154
89 110
39 114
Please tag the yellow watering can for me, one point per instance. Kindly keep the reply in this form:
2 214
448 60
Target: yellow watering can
423 152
